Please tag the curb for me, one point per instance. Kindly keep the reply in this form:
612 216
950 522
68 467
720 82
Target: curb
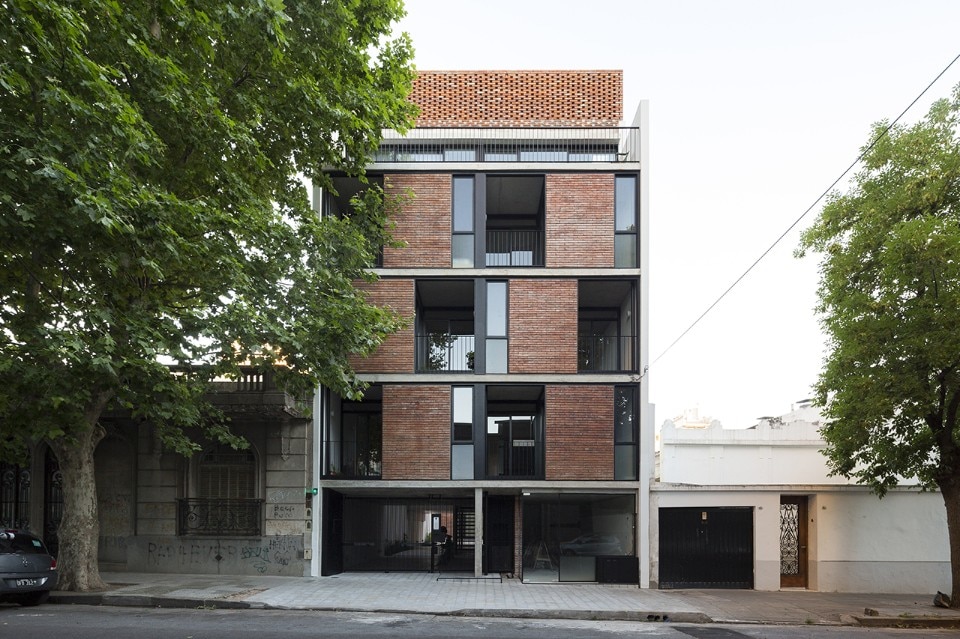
147 601
659 616
907 622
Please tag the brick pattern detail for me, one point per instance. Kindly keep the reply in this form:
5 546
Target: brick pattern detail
423 223
416 432
543 326
579 435
518 98
580 220
395 355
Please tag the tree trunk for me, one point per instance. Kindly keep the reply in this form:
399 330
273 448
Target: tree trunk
950 490
79 530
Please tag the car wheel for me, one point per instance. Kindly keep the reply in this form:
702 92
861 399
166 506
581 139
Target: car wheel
35 598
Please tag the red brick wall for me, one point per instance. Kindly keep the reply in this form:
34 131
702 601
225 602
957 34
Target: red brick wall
579 435
416 432
580 220
543 326
395 355
423 222
518 98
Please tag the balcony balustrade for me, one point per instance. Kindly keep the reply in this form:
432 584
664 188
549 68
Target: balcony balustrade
220 517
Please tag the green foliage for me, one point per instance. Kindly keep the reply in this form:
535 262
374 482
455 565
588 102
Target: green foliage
150 209
890 305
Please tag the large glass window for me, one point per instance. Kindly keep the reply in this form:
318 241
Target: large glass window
625 433
565 534
625 237
463 221
461 450
353 444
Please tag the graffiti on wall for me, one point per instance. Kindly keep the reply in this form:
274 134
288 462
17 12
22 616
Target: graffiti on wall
280 555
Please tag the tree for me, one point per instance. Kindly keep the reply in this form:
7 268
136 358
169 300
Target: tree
151 213
890 305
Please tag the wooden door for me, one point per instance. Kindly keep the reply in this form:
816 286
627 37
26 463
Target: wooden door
793 542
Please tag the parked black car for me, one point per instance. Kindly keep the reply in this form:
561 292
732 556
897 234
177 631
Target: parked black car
27 571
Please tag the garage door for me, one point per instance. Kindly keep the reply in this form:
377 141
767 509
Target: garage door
706 547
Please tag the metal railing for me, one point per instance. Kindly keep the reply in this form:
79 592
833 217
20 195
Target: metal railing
538 145
220 517
348 459
601 353
446 353
515 248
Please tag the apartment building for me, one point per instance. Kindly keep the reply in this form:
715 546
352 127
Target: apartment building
506 429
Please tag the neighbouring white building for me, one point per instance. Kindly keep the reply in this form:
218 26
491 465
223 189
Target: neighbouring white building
756 508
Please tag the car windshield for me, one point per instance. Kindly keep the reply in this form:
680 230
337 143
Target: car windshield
15 542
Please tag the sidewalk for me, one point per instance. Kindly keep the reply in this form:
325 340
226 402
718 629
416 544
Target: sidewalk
466 596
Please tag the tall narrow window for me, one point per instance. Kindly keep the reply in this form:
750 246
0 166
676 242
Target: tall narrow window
354 441
225 473
625 433
625 237
461 449
496 354
463 224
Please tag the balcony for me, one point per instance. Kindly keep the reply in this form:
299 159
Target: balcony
515 248
535 145
445 353
606 354
217 517
256 392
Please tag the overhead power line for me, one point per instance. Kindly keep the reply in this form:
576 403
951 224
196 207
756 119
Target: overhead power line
830 188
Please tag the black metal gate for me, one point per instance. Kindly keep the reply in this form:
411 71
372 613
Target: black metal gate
14 496
498 533
52 502
331 559
706 547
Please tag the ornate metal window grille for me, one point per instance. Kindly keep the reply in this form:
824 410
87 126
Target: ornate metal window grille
789 539
220 517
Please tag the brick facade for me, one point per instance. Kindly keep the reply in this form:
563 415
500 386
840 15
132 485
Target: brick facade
579 435
543 326
416 432
518 98
395 355
580 224
423 223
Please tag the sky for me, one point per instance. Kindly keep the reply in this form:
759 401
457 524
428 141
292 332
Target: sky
755 109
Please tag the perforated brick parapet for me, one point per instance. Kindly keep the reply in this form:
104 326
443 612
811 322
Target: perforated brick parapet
519 98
